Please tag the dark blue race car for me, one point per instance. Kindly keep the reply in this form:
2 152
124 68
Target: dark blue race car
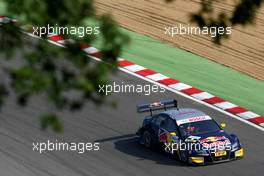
190 134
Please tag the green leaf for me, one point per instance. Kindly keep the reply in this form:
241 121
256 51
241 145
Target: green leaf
52 121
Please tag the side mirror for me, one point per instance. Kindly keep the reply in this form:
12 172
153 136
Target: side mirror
222 125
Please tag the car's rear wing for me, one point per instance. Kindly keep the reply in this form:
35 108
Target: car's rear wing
164 104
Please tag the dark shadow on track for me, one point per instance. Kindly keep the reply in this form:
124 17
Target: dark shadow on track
129 145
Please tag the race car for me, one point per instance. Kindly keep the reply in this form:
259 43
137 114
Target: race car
191 135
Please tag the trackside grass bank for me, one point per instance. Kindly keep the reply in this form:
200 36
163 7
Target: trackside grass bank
197 71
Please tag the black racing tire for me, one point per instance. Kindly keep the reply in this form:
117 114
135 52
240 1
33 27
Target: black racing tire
183 155
147 139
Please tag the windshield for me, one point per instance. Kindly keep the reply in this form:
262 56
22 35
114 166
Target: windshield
199 127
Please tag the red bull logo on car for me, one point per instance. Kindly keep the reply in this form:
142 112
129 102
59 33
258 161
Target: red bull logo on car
214 141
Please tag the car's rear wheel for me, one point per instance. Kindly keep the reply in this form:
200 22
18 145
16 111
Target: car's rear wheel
147 139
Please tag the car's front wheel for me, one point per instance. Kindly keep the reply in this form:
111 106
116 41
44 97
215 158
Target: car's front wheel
183 156
147 139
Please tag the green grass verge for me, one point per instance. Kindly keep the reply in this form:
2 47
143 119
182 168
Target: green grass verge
197 71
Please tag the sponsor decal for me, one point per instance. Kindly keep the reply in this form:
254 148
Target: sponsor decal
216 144
163 137
215 141
174 138
156 104
193 119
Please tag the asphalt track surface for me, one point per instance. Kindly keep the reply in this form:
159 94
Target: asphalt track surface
114 128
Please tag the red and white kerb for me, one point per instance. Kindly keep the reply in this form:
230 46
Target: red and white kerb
169 82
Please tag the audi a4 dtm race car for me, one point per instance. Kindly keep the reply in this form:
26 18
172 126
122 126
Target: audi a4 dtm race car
190 134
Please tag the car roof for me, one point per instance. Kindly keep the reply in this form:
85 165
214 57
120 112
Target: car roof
183 113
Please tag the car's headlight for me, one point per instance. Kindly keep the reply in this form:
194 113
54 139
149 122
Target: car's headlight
239 153
235 146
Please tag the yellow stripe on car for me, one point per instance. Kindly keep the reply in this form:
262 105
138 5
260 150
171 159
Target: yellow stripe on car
197 160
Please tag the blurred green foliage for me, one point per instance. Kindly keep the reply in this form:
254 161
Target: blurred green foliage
53 71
